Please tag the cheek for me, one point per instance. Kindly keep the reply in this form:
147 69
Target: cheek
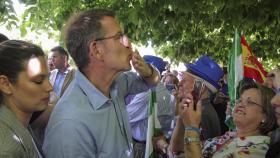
29 94
255 114
277 109
168 80
188 86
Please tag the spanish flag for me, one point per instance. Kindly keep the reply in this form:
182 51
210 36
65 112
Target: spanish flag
252 67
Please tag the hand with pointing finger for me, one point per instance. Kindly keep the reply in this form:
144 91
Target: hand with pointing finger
190 116
140 65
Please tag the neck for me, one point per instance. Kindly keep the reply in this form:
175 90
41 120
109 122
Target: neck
247 132
100 78
22 116
204 94
62 69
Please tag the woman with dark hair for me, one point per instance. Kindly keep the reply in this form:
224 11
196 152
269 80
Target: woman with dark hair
253 117
3 38
24 89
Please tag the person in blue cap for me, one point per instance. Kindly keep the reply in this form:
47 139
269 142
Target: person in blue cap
137 109
202 77
210 73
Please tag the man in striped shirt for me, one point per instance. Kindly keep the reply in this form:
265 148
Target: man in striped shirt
137 108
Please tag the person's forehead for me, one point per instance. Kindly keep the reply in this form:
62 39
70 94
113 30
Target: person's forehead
252 93
110 25
55 53
189 75
35 66
168 78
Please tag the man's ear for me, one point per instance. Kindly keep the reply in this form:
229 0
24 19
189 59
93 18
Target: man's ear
95 50
65 59
5 85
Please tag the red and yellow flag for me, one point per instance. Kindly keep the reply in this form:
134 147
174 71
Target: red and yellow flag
252 67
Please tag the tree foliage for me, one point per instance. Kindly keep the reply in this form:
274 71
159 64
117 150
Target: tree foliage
7 13
179 29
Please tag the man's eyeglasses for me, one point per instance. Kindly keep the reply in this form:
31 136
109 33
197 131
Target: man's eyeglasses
246 102
124 40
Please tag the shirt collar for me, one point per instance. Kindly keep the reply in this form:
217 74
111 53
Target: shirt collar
245 141
66 71
96 98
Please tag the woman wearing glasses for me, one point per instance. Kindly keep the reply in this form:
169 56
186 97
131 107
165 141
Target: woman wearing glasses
253 117
24 89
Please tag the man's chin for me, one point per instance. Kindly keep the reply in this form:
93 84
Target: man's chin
128 68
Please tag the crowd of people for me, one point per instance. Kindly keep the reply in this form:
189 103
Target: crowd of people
100 109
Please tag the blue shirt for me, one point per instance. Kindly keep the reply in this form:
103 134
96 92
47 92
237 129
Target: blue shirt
87 124
138 112
59 80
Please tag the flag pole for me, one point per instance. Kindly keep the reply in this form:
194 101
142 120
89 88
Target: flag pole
235 71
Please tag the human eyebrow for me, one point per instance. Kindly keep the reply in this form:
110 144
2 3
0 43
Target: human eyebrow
39 78
252 102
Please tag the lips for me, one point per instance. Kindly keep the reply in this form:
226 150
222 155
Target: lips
46 100
240 111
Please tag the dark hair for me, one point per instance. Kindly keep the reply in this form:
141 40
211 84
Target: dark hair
225 70
3 38
266 95
81 30
60 50
13 54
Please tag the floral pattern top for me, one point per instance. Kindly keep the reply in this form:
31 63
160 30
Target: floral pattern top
230 146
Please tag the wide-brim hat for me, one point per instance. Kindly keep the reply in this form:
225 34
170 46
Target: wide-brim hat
208 70
156 61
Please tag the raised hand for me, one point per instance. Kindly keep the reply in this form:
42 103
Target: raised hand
140 65
188 114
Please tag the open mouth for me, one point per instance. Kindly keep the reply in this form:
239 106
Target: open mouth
240 111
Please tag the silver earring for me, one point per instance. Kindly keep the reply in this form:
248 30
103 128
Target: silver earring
262 121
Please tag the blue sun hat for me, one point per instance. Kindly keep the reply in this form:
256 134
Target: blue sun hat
208 70
156 61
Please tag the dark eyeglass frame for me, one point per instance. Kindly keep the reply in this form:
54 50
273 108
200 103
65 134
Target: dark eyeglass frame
118 35
249 102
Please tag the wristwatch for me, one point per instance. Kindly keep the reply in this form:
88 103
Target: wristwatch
188 140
